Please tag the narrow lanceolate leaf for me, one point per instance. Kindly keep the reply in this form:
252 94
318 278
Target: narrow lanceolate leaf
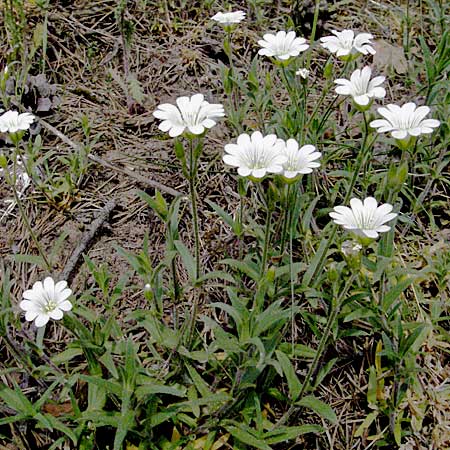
319 407
395 292
187 258
288 369
366 423
283 434
246 438
235 226
242 267
200 384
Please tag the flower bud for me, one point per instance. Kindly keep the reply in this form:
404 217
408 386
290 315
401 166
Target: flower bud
406 144
270 275
333 273
3 161
397 176
328 70
352 253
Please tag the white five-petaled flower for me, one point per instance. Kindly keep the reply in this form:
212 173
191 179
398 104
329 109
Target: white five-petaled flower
345 43
229 18
282 45
256 155
361 87
365 219
45 301
193 113
12 121
404 121
299 161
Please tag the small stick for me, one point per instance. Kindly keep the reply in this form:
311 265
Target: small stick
102 162
86 239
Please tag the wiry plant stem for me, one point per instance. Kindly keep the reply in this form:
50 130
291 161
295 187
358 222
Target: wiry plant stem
317 357
193 192
266 242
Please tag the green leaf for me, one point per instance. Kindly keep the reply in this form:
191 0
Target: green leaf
58 425
233 312
319 257
187 258
242 267
319 407
67 355
30 259
366 423
200 384
16 399
245 437
217 274
395 292
415 339
111 386
282 434
272 316
372 388
152 389
360 313
235 226
324 370
288 369
158 204
299 350
107 360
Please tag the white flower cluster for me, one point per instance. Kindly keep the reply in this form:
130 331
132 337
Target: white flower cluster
255 156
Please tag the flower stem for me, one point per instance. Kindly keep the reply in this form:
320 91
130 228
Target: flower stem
360 160
291 262
313 31
266 242
193 161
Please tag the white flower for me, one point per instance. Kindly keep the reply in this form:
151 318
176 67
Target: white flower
345 43
193 113
282 45
365 219
299 161
12 121
304 73
256 155
46 300
229 18
404 121
361 87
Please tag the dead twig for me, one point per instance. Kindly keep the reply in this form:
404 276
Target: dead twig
86 240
